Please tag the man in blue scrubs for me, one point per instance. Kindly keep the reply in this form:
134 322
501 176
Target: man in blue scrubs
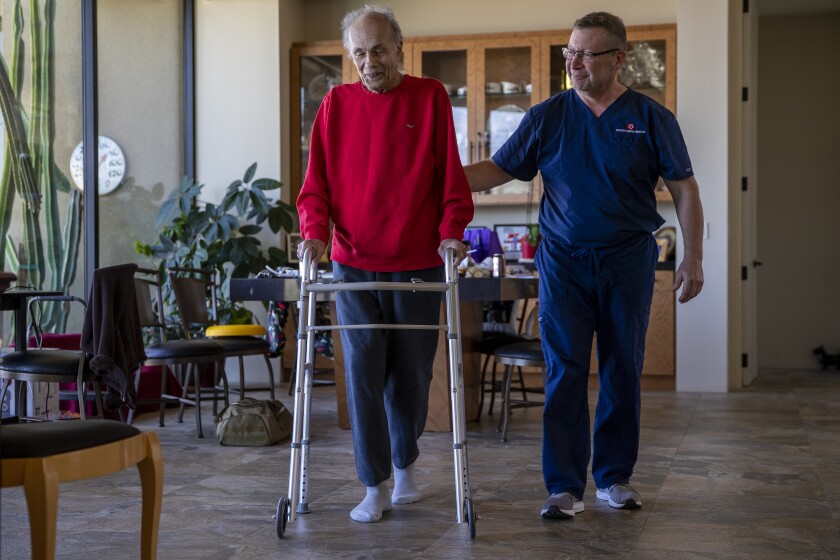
600 148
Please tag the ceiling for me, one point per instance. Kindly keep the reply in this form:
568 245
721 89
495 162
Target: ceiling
793 7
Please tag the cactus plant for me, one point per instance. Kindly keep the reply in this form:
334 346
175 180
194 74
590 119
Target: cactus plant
47 251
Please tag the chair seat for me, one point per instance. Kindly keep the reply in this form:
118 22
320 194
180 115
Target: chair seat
527 353
179 349
496 339
61 363
242 344
42 439
235 330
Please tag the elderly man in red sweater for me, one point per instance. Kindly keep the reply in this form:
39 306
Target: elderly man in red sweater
384 167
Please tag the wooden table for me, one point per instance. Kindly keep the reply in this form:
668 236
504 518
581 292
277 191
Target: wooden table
473 292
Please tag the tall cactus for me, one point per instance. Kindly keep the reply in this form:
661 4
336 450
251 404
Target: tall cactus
47 253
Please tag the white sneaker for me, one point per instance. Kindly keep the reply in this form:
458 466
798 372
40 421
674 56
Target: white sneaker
561 506
620 496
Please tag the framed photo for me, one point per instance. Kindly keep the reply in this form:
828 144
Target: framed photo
292 240
509 235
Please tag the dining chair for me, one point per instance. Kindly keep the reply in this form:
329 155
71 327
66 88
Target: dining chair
34 365
196 298
492 341
189 357
519 354
41 455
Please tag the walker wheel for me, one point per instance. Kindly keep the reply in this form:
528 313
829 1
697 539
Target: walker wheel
281 516
470 511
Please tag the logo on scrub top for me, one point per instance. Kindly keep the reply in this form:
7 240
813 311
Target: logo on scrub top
630 128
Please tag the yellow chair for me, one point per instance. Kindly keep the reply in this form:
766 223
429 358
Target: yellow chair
41 455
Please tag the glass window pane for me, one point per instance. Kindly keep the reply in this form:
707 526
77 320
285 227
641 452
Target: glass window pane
140 97
41 234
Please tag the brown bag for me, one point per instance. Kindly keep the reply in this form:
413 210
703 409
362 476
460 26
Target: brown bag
253 423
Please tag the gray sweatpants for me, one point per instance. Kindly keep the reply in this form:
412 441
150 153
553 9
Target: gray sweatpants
388 372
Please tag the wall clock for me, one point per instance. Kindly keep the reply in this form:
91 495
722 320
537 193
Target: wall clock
111 165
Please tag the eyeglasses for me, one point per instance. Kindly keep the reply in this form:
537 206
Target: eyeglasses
587 56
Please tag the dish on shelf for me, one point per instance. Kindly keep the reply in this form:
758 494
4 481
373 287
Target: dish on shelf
493 87
501 123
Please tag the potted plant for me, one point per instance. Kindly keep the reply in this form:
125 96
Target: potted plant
528 243
197 234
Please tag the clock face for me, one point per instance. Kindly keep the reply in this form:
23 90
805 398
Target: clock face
111 165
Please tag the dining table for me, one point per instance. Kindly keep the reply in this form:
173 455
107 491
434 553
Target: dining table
473 294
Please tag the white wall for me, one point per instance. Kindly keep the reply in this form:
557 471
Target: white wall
445 17
238 85
242 106
702 82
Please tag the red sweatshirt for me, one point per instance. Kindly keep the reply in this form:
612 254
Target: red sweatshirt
384 167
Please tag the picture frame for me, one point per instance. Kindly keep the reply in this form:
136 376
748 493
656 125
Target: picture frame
292 240
509 235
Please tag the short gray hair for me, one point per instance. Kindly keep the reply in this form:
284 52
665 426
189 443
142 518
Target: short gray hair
612 24
370 9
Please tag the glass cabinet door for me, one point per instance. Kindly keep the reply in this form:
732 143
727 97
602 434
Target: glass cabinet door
449 63
314 71
509 70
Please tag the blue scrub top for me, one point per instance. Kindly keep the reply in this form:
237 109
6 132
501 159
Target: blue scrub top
599 173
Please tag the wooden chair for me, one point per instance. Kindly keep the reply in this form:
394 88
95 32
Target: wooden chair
41 455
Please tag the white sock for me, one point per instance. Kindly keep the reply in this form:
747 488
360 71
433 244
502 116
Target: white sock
405 487
375 503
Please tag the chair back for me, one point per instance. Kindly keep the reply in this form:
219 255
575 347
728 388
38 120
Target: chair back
195 296
149 300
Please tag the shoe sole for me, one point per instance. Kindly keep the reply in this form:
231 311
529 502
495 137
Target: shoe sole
554 512
629 504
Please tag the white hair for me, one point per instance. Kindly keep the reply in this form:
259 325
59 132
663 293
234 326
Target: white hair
383 11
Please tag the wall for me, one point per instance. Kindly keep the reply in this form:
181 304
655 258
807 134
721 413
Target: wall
702 84
242 105
445 17
238 85
798 190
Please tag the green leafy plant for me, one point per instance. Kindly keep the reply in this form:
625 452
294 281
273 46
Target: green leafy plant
222 237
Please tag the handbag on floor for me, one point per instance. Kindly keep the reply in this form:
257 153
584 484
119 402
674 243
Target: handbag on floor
253 423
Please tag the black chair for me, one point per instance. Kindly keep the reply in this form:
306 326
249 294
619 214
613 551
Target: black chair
519 354
493 340
51 366
181 354
195 296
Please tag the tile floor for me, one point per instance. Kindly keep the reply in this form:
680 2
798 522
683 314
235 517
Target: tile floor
749 474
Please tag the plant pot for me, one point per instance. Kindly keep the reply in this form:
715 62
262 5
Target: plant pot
528 250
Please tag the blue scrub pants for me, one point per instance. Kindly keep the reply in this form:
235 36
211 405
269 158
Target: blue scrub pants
388 372
582 291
